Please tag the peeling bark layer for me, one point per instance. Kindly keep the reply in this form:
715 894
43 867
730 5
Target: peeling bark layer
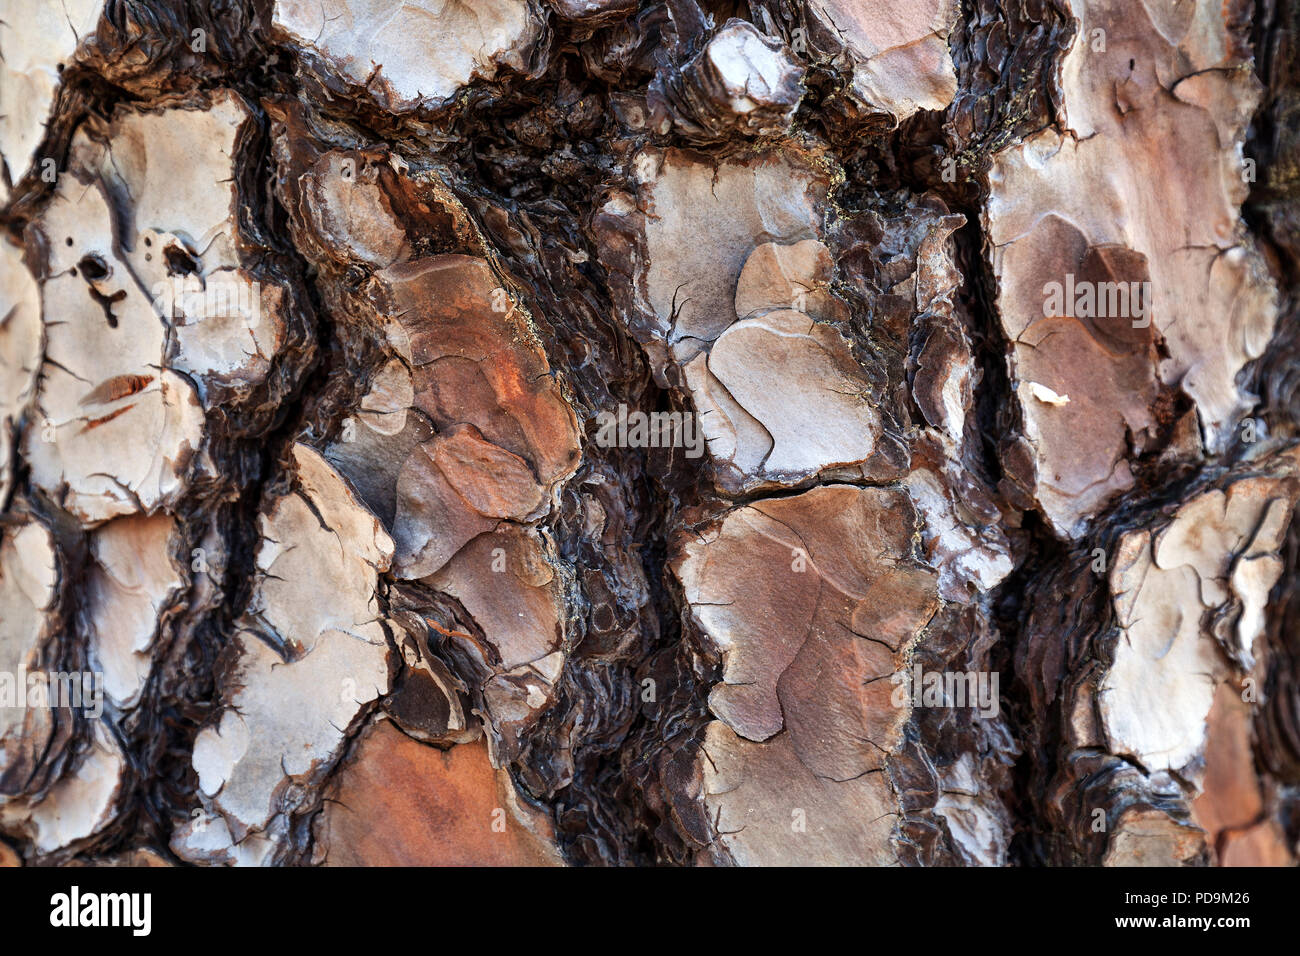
694 433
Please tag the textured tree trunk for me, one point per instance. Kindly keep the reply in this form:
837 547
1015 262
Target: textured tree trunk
591 432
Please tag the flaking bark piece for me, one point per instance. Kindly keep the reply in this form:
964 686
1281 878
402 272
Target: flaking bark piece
397 802
81 803
1231 806
515 592
1169 92
512 591
29 581
798 380
474 359
134 577
770 809
35 43
301 670
285 727
453 488
413 57
732 280
187 249
1147 836
897 53
21 340
796 277
974 816
391 394
426 701
507 436
971 552
742 82
349 213
702 222
142 280
377 442
114 430
736 440
1086 383
810 602
593 12
351 549
1156 696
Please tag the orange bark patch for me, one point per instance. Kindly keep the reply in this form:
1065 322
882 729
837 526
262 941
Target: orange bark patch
399 802
119 386
96 422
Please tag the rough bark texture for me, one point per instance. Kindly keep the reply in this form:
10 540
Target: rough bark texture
601 432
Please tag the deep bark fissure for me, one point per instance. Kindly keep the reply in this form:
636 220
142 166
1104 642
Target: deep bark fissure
905 468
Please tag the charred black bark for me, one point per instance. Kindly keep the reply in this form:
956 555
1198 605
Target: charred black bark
395 491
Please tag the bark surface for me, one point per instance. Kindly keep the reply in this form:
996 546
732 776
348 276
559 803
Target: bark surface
691 432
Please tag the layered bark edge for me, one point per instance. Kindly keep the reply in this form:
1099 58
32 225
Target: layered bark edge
681 433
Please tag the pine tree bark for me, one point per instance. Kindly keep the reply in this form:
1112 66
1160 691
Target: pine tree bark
686 432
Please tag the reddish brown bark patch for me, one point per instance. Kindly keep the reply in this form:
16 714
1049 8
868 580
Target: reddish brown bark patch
402 803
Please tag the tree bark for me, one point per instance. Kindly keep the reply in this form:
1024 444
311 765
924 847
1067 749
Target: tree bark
687 432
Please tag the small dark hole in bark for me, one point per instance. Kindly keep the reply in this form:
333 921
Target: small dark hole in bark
93 268
180 262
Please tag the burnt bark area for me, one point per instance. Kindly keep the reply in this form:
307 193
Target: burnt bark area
603 649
